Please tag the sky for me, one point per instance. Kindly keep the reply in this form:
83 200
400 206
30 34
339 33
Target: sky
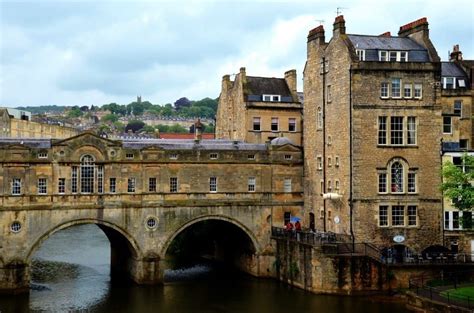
96 52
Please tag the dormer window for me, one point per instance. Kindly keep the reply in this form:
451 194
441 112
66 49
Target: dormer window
393 56
42 155
449 83
461 83
271 98
360 54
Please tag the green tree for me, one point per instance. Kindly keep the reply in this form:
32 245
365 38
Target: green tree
75 112
135 126
148 129
458 185
109 118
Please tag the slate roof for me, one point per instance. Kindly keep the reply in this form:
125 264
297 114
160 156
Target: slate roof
185 144
373 44
450 69
27 142
266 85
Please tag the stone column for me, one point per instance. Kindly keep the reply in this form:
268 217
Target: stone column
147 271
14 278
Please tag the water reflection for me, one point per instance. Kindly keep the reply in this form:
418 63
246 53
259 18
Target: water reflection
71 273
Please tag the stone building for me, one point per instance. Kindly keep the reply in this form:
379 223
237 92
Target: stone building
23 127
372 136
259 109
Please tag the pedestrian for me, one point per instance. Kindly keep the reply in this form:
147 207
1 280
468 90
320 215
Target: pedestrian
298 226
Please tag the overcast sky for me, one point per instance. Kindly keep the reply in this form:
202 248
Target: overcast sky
97 52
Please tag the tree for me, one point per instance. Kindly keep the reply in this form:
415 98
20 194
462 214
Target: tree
458 185
182 103
109 118
75 112
134 126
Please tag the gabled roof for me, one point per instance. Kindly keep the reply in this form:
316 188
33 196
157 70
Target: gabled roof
451 69
266 85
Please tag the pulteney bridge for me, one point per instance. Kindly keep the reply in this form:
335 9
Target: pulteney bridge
142 193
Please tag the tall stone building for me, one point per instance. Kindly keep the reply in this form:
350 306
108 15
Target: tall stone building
372 136
259 109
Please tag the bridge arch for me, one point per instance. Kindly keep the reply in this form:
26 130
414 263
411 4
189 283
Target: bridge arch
111 230
224 218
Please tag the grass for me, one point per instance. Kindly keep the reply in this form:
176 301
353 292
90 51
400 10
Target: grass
459 293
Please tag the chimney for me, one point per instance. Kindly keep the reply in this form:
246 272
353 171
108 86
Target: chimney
198 130
418 26
317 35
456 55
226 83
386 34
290 78
339 26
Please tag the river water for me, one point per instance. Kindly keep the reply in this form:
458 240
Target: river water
71 274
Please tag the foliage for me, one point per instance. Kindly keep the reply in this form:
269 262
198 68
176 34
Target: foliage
75 112
458 183
460 293
148 129
182 103
110 118
43 109
134 126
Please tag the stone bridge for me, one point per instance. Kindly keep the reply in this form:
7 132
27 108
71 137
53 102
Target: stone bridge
142 194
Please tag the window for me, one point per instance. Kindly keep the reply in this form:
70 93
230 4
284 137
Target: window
393 56
16 186
382 182
397 177
412 216
173 184
458 107
407 90
292 124
251 184
256 123
152 184
447 125
213 156
321 185
336 186
418 91
320 118
403 56
383 56
329 140
288 157
320 162
213 184
336 162
360 54
461 83
271 98
398 215
382 133
274 126
61 185
42 186
412 182
329 161
74 179
411 130
287 185
329 94
87 174
448 83
446 220
396 85
42 155
384 90
396 130
173 156
329 186
100 179
129 155
112 184
131 184
383 215
455 220
251 157
286 218
463 144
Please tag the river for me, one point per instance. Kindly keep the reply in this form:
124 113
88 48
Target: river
71 274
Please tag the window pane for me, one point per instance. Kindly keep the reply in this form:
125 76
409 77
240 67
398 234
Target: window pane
397 177
87 174
291 124
447 124
287 185
383 215
251 184
398 215
112 183
396 130
256 123
407 91
384 90
411 182
457 107
396 85
382 135
212 184
173 184
131 185
411 215
152 184
417 91
16 186
274 123
455 220
411 130
383 182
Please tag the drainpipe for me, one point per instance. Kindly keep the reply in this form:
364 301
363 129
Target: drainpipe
351 158
324 140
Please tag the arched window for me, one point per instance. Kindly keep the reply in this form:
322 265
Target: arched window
320 118
87 174
396 172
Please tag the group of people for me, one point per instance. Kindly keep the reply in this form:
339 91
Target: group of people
289 226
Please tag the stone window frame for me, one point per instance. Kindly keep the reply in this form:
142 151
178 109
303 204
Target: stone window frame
408 95
329 94
321 187
174 184
74 179
404 134
329 185
382 179
251 184
275 124
410 215
383 215
16 186
360 54
287 185
131 185
418 91
42 186
288 157
396 92
271 98
319 118
412 182
337 185
319 162
457 107
112 185
129 155
42 155
213 156
336 161
405 217
257 123
100 178
329 161
152 184
447 125
397 215
384 90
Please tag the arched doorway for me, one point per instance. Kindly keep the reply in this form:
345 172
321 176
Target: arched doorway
216 240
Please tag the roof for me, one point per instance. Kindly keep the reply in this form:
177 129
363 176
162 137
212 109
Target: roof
450 69
186 144
280 141
27 142
267 86
384 43
185 136
373 44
